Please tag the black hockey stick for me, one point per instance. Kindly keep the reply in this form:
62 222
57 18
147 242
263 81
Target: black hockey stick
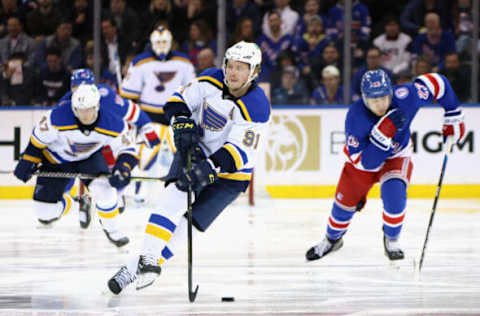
448 149
191 294
48 174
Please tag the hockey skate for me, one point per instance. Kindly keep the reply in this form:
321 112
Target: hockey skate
121 204
115 236
85 206
121 280
148 270
46 223
323 248
392 249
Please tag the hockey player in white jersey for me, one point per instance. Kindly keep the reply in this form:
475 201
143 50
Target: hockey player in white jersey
221 117
70 139
152 78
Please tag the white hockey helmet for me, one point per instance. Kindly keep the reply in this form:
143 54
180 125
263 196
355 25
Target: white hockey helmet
245 52
161 41
85 97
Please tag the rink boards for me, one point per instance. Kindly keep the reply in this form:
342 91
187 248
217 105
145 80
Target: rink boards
302 155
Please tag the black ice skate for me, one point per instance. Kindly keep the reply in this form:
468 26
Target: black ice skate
120 280
121 204
323 248
148 270
49 221
392 249
85 206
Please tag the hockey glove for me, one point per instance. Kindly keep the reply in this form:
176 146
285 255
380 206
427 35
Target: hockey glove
201 175
382 132
453 125
149 135
26 167
186 135
120 177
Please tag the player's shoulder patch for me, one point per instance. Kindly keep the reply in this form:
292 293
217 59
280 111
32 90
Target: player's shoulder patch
62 117
109 123
401 92
142 58
214 76
254 106
176 55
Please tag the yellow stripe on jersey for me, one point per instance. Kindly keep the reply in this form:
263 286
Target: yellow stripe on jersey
107 214
158 232
181 59
49 157
175 99
36 143
212 80
66 127
235 154
106 131
239 176
31 158
151 109
244 110
129 95
146 60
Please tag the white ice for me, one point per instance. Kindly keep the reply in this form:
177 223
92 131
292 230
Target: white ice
255 254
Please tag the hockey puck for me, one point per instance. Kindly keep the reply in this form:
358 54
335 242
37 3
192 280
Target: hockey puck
228 299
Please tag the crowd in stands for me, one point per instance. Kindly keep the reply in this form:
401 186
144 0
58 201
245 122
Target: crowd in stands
41 41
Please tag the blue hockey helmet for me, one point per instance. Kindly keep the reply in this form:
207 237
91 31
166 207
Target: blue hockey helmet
375 84
82 75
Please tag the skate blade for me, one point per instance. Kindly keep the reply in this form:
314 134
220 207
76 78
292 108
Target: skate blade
145 280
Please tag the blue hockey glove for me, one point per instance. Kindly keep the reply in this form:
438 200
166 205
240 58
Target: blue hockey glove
26 167
120 177
186 135
201 175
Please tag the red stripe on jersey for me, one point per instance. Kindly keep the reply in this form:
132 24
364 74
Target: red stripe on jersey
346 152
108 156
134 110
151 136
435 83
335 225
393 220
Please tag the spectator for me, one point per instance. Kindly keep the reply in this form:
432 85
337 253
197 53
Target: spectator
330 56
82 17
16 84
373 62
272 45
125 20
284 60
331 92
435 43
463 26
403 77
288 17
43 21
17 42
114 48
53 81
201 10
422 66
291 91
200 37
458 75
394 46
412 17
70 49
361 21
243 31
8 9
240 9
312 8
106 76
205 59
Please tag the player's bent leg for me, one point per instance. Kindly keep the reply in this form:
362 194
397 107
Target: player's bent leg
394 196
105 197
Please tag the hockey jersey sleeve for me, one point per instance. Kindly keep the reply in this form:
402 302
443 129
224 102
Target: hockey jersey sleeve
437 88
132 85
44 133
123 144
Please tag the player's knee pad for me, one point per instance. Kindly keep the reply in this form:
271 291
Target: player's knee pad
48 211
394 195
103 193
172 203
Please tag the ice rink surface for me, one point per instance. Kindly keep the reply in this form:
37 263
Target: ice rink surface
253 254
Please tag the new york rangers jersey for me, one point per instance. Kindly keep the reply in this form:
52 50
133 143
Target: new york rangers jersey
233 128
425 89
59 136
124 108
152 81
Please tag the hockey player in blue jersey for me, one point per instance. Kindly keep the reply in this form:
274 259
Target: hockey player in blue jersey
222 116
70 138
378 149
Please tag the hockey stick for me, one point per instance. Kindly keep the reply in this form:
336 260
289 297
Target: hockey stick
48 174
448 149
191 294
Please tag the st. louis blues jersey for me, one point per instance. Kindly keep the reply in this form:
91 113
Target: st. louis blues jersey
233 128
59 138
151 81
124 108
425 89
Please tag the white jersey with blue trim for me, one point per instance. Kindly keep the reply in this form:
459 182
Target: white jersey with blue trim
425 89
236 124
61 140
151 81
